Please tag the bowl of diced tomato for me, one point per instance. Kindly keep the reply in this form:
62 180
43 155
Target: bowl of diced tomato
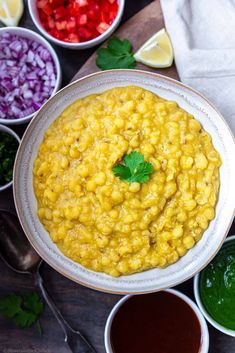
76 24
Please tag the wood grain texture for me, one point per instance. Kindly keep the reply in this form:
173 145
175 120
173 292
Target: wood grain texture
137 30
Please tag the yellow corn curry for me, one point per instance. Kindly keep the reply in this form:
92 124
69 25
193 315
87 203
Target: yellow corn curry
107 224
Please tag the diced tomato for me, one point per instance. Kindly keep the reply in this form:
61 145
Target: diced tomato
91 15
74 9
82 3
114 7
56 3
60 13
47 10
43 17
71 24
105 7
102 27
95 7
113 12
51 22
60 26
112 16
41 3
72 37
57 34
84 33
77 20
102 17
105 16
82 20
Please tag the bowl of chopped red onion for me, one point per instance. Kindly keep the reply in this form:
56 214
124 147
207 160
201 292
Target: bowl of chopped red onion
76 24
30 74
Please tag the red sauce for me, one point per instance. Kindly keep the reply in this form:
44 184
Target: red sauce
155 323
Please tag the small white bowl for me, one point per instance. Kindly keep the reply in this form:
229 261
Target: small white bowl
83 45
204 329
27 33
214 323
10 132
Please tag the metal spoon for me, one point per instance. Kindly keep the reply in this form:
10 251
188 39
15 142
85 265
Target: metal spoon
18 254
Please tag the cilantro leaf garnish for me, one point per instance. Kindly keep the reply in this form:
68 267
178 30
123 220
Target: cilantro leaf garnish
24 319
23 310
133 168
10 305
117 55
33 303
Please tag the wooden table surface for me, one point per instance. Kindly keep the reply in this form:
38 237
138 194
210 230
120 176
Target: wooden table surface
85 309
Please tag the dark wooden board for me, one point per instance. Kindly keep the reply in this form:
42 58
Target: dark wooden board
84 308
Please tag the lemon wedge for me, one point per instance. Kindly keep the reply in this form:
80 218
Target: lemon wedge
11 11
157 51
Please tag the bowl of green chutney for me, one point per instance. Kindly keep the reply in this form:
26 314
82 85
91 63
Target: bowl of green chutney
214 289
9 143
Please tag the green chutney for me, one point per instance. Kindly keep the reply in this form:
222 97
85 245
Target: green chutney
217 286
8 149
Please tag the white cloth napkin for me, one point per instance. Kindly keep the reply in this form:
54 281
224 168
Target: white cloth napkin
203 37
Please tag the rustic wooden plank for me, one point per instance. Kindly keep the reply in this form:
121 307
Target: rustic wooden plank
137 29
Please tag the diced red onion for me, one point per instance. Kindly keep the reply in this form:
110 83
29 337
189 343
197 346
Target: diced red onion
49 69
43 53
41 72
31 76
26 112
28 94
30 56
11 63
16 46
36 105
15 110
13 71
27 76
7 85
39 61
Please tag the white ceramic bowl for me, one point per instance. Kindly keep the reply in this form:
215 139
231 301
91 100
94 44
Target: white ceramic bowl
83 45
204 329
151 280
201 306
10 132
27 33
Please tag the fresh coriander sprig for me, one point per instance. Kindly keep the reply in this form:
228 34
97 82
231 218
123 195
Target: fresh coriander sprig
133 168
24 310
117 55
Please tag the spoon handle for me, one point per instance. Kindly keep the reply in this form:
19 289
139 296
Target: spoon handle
76 342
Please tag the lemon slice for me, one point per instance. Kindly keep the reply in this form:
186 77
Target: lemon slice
157 51
11 11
